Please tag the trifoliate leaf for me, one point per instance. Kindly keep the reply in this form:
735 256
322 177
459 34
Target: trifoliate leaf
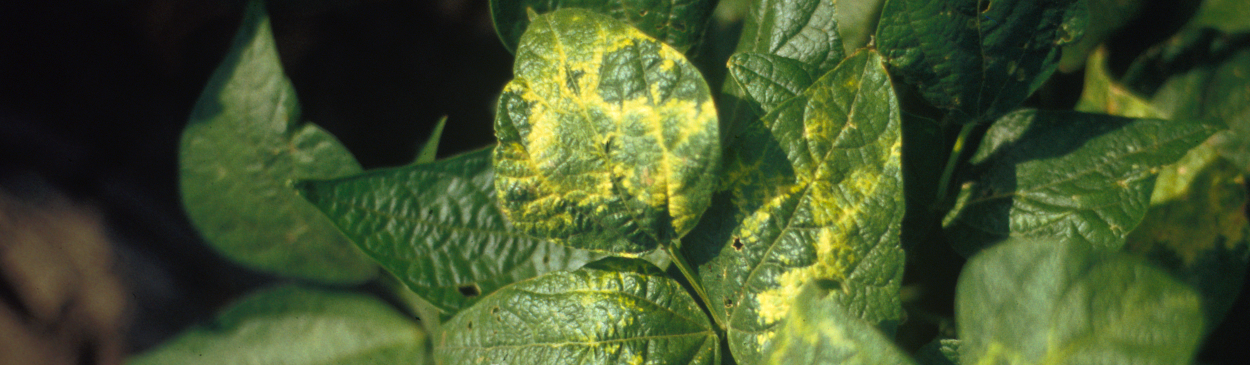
608 138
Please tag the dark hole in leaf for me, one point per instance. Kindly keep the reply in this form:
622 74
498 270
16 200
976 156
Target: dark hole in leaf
643 12
470 290
469 325
729 303
429 212
829 285
983 6
546 259
737 244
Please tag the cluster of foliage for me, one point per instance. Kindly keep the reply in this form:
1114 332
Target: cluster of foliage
633 213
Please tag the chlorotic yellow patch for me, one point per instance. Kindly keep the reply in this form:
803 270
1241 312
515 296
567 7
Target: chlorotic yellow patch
616 133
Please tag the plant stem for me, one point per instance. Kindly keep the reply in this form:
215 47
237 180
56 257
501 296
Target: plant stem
692 277
957 150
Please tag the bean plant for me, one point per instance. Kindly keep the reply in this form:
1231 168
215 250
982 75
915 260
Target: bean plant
632 212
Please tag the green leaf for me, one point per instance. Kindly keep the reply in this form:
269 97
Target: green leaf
979 59
243 144
939 352
615 311
679 23
813 192
1067 175
608 138
437 228
1196 228
1038 302
296 325
804 31
429 151
1201 74
770 79
819 330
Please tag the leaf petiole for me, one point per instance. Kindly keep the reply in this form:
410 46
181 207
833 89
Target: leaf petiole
692 277
944 183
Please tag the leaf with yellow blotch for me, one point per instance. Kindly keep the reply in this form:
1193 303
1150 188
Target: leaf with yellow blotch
819 330
608 138
813 193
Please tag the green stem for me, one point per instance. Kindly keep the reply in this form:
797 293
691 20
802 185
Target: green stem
957 150
692 277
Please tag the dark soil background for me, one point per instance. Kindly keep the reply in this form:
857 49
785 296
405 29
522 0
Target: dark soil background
94 95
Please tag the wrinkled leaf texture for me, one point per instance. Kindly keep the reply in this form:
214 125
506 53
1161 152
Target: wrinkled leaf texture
978 59
813 193
437 228
613 311
1066 175
608 138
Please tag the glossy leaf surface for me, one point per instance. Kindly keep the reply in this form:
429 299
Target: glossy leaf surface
1037 302
813 193
819 330
801 30
1066 175
614 311
437 228
608 138
243 144
679 23
779 37
770 79
295 325
978 59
